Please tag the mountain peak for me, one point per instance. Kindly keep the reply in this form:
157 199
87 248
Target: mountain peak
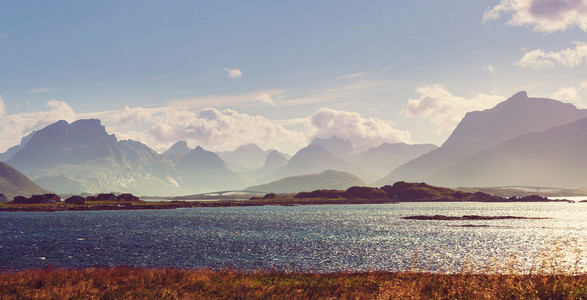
178 149
248 147
246 157
335 145
478 130
62 142
275 158
521 95
517 115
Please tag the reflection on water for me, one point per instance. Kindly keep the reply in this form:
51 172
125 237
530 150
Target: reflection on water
320 238
573 198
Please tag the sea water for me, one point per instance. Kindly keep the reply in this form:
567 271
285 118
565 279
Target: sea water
313 238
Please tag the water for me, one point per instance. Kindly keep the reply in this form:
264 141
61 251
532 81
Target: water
304 238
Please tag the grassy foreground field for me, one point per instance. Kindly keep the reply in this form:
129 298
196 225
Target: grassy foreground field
139 283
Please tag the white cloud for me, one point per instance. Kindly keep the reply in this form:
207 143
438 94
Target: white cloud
2 107
355 128
443 109
218 130
351 91
542 15
233 73
571 94
221 130
254 98
489 68
40 90
570 58
359 75
193 120
15 126
133 115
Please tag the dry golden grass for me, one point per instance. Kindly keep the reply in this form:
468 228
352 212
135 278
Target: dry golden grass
140 283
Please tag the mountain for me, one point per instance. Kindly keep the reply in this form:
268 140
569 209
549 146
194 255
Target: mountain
14 183
178 149
245 157
14 149
63 184
273 162
326 180
83 150
204 171
556 157
335 145
315 159
385 157
480 130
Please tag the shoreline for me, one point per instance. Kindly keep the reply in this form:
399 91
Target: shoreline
146 205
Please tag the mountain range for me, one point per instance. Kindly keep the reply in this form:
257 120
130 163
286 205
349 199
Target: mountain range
82 157
514 143
520 141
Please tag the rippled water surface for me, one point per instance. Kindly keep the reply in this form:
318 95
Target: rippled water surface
304 238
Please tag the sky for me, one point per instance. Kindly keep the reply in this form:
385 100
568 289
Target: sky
219 74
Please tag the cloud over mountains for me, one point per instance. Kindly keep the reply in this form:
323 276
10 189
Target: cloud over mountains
15 126
214 129
443 109
355 128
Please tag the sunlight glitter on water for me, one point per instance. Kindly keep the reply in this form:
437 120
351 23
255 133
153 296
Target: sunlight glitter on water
305 238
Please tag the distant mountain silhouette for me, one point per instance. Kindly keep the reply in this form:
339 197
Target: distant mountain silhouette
14 149
386 156
556 157
273 162
85 151
521 141
335 145
315 159
178 149
245 157
14 183
480 130
63 184
204 171
326 180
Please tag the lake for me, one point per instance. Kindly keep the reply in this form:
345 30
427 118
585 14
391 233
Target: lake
313 238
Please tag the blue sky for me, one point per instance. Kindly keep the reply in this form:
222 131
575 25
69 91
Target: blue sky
276 73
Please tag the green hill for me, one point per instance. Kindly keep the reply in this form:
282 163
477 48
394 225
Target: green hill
326 180
14 183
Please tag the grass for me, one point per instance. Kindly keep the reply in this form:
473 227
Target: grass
140 283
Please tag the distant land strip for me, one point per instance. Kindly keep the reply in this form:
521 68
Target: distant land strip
399 192
469 218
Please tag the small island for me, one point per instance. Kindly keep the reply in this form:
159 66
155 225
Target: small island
469 218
